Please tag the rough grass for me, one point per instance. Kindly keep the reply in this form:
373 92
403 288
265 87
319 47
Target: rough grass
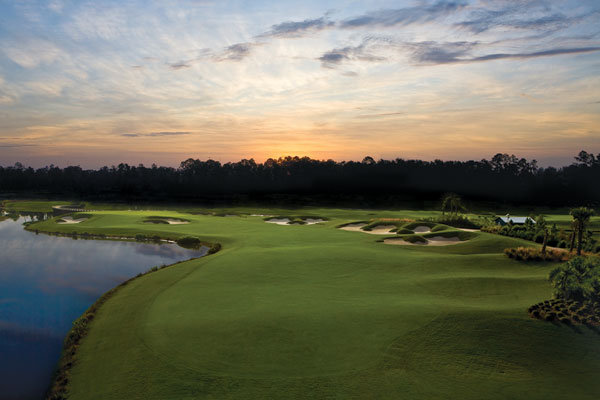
314 312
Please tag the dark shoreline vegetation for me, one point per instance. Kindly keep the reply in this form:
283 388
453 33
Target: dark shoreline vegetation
301 180
576 294
58 389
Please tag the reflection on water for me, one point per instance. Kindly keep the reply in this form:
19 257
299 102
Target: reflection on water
45 283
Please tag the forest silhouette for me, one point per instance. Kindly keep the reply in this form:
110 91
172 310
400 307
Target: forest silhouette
503 178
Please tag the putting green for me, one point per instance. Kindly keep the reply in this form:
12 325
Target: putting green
311 311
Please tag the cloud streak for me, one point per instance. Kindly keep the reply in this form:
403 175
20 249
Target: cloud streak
155 134
235 52
296 29
451 53
404 16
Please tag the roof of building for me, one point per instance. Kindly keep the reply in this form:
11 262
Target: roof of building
515 220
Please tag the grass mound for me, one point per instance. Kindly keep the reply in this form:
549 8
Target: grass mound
535 254
461 235
398 223
355 223
413 225
416 239
439 228
404 231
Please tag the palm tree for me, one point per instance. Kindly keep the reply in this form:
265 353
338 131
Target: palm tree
581 217
453 202
545 240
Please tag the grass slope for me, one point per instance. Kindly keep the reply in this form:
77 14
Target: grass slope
317 312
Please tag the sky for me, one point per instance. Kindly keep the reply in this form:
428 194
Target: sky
95 83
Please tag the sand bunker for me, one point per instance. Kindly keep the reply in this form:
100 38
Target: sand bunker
172 221
287 221
468 230
353 227
443 241
422 229
377 230
70 220
279 221
381 230
312 221
432 241
165 220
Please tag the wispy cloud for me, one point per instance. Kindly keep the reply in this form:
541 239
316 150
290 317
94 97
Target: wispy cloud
180 65
235 52
361 52
460 52
544 53
421 13
523 15
154 134
31 52
295 29
440 53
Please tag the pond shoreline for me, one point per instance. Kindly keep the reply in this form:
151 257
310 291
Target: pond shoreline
58 387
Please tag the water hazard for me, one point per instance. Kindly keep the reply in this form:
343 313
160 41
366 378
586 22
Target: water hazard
45 283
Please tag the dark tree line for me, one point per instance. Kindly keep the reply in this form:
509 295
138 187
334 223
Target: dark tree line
503 178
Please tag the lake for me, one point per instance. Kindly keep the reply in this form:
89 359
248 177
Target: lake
46 282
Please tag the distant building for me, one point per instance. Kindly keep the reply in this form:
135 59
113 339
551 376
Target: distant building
514 220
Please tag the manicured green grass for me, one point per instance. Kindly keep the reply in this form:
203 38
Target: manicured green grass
314 312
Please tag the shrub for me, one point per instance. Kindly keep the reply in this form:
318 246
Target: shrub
577 280
457 221
214 248
535 254
189 242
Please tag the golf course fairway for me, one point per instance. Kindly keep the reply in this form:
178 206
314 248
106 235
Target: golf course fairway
316 312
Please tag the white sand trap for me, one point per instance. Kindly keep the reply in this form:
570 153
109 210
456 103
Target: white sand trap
279 221
443 241
171 221
70 220
422 229
381 230
399 241
312 221
433 241
353 227
261 215
468 230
